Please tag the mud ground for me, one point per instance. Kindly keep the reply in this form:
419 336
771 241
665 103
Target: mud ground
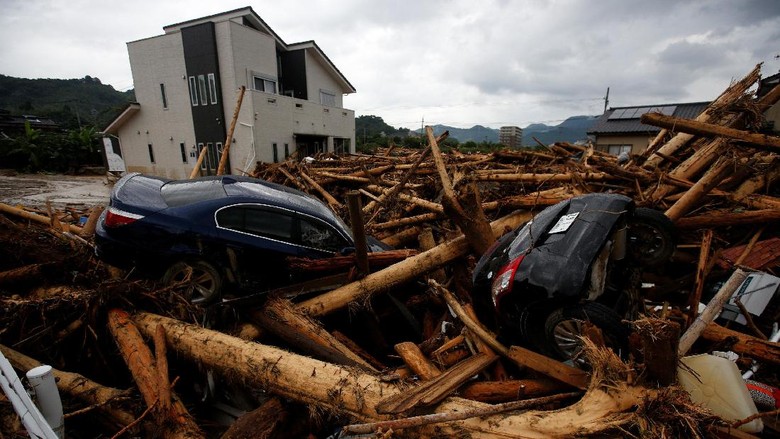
33 190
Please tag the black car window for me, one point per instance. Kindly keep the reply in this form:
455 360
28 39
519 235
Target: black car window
320 236
256 221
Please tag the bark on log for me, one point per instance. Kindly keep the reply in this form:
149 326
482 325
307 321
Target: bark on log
713 308
466 209
437 388
743 344
325 194
543 178
344 263
416 360
760 141
259 423
346 391
176 422
282 319
728 218
502 391
5 208
401 272
23 274
89 227
229 139
701 275
690 200
660 340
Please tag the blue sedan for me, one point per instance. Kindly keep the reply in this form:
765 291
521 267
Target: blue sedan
215 230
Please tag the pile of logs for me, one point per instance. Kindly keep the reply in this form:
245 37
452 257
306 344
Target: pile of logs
390 345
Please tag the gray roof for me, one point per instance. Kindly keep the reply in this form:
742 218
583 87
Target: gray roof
625 120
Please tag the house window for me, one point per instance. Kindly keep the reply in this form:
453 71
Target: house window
327 98
286 151
164 97
202 89
193 92
183 150
264 84
618 149
151 153
276 153
340 145
213 88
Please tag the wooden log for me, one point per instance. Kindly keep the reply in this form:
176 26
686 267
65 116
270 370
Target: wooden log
760 141
325 194
401 272
408 221
377 428
354 347
198 163
730 95
544 178
425 204
89 227
23 274
342 263
262 422
722 218
511 390
346 391
282 319
437 388
416 360
163 383
694 195
743 344
701 275
660 340
78 386
174 423
358 232
400 238
466 209
710 312
427 242
229 139
21 213
521 356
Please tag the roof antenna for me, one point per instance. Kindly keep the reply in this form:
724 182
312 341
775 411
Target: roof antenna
606 100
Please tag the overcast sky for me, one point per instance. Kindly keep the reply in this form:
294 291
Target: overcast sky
459 63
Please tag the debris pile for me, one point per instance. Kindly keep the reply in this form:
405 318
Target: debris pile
393 346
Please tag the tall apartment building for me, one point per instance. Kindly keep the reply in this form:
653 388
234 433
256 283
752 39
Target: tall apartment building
187 84
511 136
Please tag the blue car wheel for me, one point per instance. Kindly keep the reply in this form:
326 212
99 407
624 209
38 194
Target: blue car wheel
203 282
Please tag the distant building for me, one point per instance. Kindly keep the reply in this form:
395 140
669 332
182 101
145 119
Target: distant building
187 82
619 129
511 137
13 124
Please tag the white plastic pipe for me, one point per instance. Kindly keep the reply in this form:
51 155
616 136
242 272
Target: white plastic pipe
41 380
31 417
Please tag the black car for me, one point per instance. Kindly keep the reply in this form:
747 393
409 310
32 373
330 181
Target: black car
578 260
216 231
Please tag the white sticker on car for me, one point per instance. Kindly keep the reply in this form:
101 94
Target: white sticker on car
564 223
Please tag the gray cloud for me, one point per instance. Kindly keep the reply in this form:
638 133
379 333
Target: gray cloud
498 62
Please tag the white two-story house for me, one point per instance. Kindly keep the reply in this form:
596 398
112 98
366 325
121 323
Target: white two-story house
187 84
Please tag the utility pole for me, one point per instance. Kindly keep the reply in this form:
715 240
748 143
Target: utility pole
606 100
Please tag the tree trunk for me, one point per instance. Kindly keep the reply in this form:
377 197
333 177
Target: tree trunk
280 318
721 218
743 344
502 391
690 200
401 272
344 390
761 141
176 422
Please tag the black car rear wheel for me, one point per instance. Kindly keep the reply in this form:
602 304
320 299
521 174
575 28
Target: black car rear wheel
651 237
203 281
564 327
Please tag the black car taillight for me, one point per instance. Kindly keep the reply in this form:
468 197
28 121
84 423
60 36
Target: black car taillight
504 280
117 218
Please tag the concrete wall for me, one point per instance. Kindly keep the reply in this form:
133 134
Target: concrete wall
319 79
154 61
